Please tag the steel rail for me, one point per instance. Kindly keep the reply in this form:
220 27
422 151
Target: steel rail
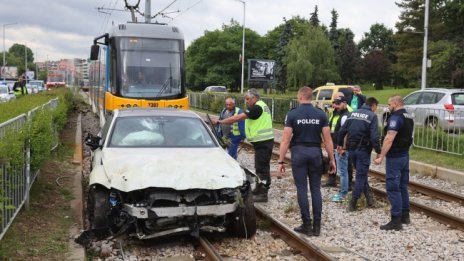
418 187
439 216
209 250
424 189
308 250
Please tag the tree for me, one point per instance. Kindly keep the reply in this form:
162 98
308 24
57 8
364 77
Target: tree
281 66
271 40
378 38
213 59
347 57
376 68
310 60
314 19
16 57
333 33
445 23
445 58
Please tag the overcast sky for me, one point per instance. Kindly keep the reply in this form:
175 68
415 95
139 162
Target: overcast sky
56 29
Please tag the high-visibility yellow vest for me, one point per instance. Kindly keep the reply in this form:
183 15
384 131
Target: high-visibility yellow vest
261 128
235 129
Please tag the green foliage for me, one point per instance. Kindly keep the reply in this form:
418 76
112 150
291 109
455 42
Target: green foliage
376 68
378 38
310 60
347 57
438 140
41 133
445 56
213 59
314 18
445 24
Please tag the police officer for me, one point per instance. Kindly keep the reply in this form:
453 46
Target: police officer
258 131
363 136
235 132
302 133
398 139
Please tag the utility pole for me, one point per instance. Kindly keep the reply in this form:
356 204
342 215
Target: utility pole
243 48
4 63
147 11
424 57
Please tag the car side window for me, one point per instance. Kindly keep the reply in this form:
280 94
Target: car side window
412 99
457 98
427 98
438 97
325 94
315 94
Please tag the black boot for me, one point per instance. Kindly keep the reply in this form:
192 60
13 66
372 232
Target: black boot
317 227
394 224
352 205
260 193
369 198
305 228
331 181
405 217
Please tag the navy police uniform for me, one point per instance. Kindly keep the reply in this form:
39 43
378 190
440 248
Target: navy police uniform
397 162
305 146
363 136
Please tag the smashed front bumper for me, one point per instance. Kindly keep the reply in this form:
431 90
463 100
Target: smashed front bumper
153 212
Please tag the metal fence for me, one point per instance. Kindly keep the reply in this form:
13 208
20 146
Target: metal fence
437 130
16 179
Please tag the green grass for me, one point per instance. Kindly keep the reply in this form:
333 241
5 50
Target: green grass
383 95
445 160
9 110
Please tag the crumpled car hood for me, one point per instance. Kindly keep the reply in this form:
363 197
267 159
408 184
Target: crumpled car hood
177 168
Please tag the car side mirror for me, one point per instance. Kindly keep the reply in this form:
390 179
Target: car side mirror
92 141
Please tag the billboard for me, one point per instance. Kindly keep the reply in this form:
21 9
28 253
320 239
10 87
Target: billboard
260 70
9 72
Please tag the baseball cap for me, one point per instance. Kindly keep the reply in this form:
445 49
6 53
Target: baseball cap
339 99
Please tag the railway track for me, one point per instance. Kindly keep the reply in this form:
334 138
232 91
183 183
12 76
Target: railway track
300 245
440 216
306 248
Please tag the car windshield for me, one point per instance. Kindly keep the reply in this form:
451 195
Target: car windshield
3 89
157 131
151 68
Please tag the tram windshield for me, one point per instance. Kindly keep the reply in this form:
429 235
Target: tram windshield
150 68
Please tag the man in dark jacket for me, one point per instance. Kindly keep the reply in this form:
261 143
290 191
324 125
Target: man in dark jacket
363 136
398 139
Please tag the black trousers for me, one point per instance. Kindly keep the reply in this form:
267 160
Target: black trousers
263 153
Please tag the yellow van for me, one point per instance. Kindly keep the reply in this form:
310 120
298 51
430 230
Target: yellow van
324 95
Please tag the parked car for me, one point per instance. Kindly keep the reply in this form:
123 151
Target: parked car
215 89
324 95
6 94
159 172
37 85
436 107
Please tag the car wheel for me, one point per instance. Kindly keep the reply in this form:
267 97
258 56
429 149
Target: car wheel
243 223
98 207
432 123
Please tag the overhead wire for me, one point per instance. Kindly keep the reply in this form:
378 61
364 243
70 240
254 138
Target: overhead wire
188 8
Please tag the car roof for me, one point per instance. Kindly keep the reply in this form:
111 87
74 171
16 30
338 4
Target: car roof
332 87
449 90
169 112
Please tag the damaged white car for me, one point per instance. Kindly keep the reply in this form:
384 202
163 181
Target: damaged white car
158 172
